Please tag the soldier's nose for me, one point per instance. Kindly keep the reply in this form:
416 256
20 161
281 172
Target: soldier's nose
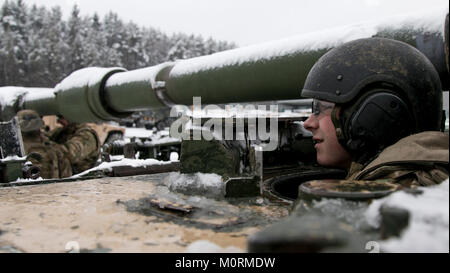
311 123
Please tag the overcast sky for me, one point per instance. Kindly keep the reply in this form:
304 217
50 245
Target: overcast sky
243 21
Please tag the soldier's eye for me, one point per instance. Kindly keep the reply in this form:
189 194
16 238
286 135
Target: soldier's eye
320 107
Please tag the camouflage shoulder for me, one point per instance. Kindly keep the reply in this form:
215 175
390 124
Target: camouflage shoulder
86 128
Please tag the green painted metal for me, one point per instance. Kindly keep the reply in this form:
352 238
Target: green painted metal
133 90
81 98
273 71
431 44
42 101
278 78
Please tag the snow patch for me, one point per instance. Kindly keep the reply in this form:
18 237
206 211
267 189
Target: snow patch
9 94
117 157
138 133
40 94
205 246
29 179
13 158
153 138
345 210
147 74
428 21
196 184
107 166
84 77
174 156
428 230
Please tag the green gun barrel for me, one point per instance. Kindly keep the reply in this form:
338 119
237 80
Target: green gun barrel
269 71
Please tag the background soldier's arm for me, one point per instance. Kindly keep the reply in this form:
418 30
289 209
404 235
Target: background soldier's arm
82 145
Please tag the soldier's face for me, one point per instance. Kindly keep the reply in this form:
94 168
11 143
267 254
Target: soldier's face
329 152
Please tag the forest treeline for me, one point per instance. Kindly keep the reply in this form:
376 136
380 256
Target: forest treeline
39 48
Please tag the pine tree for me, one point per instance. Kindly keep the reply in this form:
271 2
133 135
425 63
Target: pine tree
3 57
39 48
75 40
131 42
36 49
155 45
113 27
179 48
94 43
13 21
55 39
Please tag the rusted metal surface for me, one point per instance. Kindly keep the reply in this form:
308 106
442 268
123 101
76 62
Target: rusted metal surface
111 215
347 189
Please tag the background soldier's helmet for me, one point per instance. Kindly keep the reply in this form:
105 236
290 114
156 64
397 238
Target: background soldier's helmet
383 89
29 121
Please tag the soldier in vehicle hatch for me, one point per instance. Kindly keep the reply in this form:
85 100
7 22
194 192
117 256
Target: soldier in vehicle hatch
81 142
71 151
377 112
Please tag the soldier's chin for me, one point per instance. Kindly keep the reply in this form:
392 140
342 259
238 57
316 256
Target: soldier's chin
323 161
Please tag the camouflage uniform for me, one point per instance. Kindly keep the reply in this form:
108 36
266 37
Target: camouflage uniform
417 160
42 152
72 149
79 143
48 156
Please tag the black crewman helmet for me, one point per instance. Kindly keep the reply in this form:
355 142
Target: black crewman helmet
383 90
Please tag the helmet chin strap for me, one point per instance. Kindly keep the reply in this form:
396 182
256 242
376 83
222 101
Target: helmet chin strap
337 125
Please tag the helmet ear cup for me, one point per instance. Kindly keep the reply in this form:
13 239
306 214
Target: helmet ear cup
376 121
